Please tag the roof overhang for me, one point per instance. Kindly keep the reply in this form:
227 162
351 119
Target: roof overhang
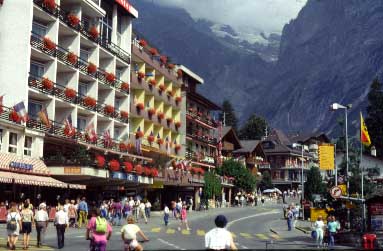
128 7
191 74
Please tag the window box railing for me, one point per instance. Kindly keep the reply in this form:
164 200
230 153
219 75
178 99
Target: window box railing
198 135
201 118
200 157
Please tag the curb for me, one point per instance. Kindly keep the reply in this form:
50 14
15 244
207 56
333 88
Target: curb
275 232
303 230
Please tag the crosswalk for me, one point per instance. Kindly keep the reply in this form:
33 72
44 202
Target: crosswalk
32 245
201 232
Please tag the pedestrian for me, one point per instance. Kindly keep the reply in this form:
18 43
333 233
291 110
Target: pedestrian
191 204
26 224
126 209
290 218
332 227
142 212
41 221
219 238
72 214
129 235
148 207
66 205
319 230
236 200
295 215
61 222
13 226
83 212
137 208
98 231
117 212
184 220
166 214
263 200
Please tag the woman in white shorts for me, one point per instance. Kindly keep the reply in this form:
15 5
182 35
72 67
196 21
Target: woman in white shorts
129 235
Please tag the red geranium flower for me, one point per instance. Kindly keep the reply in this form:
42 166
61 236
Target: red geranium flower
138 169
89 101
93 31
151 111
122 147
140 106
140 75
160 141
114 165
154 172
124 114
160 115
128 167
169 120
47 83
178 99
92 68
150 138
73 19
153 82
125 86
70 93
109 109
153 51
49 44
161 87
14 116
177 124
50 4
72 58
147 171
110 77
139 134
143 43
100 161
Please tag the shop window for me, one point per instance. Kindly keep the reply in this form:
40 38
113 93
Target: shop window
28 146
12 143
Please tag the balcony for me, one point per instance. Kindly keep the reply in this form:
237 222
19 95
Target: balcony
198 135
63 55
264 165
181 177
8 115
61 92
200 157
191 113
84 28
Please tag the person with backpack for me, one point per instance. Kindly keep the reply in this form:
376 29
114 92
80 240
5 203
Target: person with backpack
13 226
26 223
98 232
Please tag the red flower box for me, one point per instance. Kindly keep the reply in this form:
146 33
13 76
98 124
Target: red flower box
162 87
122 147
69 133
140 75
14 116
151 112
150 139
124 114
125 86
49 44
179 73
147 171
178 99
73 19
110 77
114 165
128 167
138 169
170 93
154 172
163 59
50 4
47 84
160 115
109 109
72 58
169 120
153 51
93 31
92 68
140 106
100 161
171 66
89 101
70 93
177 147
177 124
160 141
139 134
143 43
153 82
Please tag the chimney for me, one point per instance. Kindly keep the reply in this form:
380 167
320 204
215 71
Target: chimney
373 151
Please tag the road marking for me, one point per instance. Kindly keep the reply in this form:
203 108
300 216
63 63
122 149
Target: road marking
200 232
170 244
240 245
80 236
252 216
275 236
246 235
233 234
185 232
262 236
156 230
170 231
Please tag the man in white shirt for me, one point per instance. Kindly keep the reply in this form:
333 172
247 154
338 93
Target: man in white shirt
148 206
61 222
42 220
219 238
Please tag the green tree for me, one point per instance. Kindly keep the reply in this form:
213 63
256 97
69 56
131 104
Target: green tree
314 184
254 128
212 186
243 178
374 120
230 118
266 181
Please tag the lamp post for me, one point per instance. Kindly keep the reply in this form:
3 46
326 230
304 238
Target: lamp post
333 107
302 180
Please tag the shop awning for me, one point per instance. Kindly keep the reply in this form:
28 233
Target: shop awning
34 180
10 161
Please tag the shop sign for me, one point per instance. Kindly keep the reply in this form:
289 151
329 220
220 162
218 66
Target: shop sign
72 170
145 180
157 184
124 176
21 165
132 178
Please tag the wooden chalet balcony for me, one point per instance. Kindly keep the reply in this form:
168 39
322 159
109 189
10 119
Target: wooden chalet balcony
191 114
200 157
84 28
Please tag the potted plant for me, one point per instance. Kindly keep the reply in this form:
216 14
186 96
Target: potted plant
177 148
72 58
128 167
154 172
92 68
153 51
47 84
14 116
69 132
143 43
160 141
178 99
140 75
100 161
160 116
110 77
177 124
140 106
161 88
170 93
48 44
124 114
151 112
152 82
125 86
109 109
70 93
139 134
73 20
147 171
50 4
93 32
150 139
114 165
89 101
169 121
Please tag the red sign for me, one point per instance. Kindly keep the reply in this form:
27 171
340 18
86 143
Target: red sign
127 6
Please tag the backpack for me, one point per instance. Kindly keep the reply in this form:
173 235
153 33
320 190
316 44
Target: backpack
12 224
101 225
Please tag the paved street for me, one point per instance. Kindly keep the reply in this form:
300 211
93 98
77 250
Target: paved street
253 227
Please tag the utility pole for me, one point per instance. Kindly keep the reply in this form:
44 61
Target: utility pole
224 118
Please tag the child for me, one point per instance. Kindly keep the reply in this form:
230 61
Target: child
166 215
184 220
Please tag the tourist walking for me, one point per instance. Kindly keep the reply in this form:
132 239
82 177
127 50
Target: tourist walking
83 212
41 221
166 215
142 212
184 220
319 231
219 238
61 222
26 224
117 212
332 227
98 231
13 226
129 235
290 218
148 207
263 200
72 214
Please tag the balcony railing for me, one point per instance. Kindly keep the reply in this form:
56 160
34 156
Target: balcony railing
5 114
58 90
200 157
84 28
198 135
201 118
62 54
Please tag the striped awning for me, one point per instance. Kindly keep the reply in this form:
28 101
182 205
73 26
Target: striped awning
34 180
77 186
39 166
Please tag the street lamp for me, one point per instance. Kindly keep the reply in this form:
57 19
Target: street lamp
333 107
302 179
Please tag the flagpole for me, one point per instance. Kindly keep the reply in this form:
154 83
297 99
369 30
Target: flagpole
362 181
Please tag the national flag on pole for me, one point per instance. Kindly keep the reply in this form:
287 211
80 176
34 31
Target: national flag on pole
21 111
68 124
43 115
138 142
1 103
90 132
364 136
107 138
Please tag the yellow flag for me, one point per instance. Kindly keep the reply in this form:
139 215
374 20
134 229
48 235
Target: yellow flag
364 136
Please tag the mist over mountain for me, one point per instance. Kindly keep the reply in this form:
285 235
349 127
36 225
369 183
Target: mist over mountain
329 53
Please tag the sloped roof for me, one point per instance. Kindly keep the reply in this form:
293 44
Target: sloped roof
226 130
306 136
248 146
279 136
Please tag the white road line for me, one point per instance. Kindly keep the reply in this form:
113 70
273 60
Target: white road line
251 216
170 244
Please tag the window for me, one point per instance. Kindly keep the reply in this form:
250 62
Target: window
39 29
84 55
117 133
33 108
28 146
81 123
1 138
12 142
118 73
106 24
117 103
83 89
37 69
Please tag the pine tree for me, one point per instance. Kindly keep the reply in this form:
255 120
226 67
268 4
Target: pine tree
374 120
314 184
254 128
230 118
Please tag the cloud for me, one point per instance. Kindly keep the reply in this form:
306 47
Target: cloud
262 15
